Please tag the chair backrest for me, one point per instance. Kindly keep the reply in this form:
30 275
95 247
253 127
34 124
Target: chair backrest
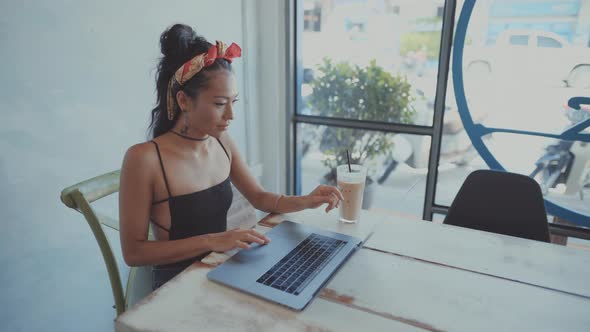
79 197
500 202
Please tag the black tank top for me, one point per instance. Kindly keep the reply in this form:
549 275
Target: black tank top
197 213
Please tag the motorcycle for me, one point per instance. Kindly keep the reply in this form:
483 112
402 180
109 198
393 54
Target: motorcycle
565 162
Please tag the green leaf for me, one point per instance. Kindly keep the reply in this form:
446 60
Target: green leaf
365 93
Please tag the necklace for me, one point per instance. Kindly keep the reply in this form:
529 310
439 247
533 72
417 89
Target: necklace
190 138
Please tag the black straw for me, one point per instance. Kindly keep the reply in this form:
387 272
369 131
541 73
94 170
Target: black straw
348 158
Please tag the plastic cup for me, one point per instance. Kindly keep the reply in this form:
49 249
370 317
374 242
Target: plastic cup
352 186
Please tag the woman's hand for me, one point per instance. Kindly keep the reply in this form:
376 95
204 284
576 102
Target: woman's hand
236 238
323 194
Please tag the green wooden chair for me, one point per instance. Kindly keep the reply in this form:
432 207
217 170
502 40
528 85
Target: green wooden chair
79 197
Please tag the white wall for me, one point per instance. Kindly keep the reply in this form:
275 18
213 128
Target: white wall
77 80
76 90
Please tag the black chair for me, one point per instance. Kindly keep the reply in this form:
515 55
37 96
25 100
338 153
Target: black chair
500 202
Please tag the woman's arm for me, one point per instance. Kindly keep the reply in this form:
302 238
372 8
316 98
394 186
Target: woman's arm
135 197
271 202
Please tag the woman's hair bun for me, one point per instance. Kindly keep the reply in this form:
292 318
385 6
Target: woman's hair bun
177 39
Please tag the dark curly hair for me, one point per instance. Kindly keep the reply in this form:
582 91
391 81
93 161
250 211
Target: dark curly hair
179 43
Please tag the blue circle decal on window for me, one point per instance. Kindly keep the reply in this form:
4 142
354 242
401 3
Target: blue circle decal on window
477 131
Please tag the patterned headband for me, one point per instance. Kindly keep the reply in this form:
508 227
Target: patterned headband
196 64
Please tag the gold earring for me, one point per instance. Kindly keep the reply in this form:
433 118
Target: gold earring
170 101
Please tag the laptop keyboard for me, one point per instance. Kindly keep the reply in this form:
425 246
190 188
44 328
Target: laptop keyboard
292 273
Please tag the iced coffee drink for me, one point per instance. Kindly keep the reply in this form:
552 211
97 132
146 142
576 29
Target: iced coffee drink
352 186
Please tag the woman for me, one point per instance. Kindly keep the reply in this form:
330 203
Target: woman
180 181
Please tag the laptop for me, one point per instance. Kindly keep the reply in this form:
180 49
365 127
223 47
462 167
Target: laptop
292 268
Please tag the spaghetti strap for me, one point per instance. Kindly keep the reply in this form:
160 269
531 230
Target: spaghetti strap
161 201
223 147
163 171
159 226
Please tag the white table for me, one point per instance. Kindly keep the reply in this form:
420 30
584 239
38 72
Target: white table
409 276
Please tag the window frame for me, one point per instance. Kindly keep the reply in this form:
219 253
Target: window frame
295 78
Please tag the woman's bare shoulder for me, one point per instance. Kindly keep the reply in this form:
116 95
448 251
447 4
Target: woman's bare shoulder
141 156
228 143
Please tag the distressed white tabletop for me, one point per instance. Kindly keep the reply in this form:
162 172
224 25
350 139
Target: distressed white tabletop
538 263
440 298
190 302
376 290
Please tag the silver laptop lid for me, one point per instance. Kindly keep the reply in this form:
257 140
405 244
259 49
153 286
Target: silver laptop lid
292 268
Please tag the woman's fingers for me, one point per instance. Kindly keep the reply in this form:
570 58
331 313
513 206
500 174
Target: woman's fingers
324 194
249 238
252 236
242 244
259 235
243 237
330 203
338 193
326 190
334 201
330 199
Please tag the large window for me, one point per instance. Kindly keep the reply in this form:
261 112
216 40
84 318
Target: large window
372 79
369 60
393 182
368 77
523 62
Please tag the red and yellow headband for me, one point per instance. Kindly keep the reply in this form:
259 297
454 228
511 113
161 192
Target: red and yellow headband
196 64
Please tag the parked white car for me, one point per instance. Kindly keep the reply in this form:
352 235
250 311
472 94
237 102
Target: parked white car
534 56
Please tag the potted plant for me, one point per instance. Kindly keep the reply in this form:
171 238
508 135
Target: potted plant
368 93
